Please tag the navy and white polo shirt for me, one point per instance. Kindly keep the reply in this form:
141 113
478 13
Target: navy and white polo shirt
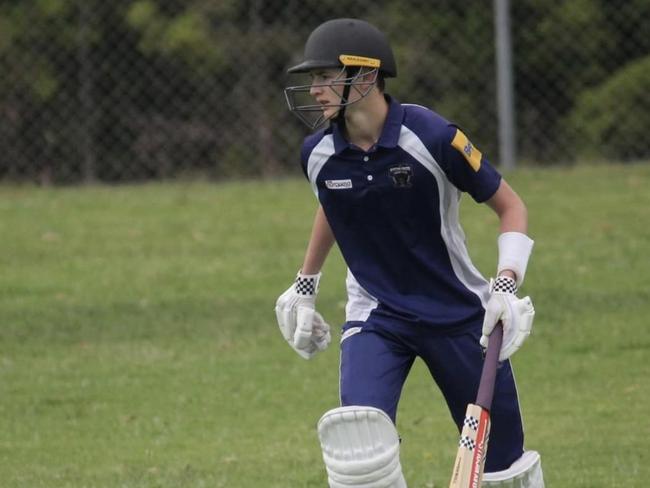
394 213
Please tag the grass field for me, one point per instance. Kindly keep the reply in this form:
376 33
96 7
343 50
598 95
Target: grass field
138 344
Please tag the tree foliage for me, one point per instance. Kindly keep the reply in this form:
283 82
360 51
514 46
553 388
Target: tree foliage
134 89
614 116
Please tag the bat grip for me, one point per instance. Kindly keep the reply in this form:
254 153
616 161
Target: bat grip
489 372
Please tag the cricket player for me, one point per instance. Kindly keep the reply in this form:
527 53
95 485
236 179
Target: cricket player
388 177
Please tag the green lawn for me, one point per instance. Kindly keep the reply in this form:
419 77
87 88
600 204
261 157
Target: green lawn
138 344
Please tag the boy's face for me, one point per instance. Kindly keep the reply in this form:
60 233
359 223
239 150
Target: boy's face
320 97
327 90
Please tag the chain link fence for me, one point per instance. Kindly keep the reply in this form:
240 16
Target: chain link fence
141 89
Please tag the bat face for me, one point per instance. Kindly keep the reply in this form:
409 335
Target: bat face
472 448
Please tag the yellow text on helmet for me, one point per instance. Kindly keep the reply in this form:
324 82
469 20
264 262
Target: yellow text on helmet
352 60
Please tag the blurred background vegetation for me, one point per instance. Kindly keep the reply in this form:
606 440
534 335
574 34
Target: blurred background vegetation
154 89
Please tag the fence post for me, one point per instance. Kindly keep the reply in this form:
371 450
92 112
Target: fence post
85 76
505 86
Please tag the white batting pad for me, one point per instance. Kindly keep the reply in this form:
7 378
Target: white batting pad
525 472
360 448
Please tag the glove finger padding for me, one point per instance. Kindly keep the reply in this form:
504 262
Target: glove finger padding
321 336
497 309
519 327
306 353
286 316
318 339
304 327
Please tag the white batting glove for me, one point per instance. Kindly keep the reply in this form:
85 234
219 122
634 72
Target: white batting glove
516 314
301 325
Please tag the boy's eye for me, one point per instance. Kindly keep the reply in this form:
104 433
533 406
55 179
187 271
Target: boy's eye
321 77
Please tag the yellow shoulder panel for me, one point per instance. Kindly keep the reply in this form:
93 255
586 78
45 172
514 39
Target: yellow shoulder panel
467 149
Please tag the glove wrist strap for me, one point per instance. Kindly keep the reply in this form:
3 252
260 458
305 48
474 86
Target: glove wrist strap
504 284
307 285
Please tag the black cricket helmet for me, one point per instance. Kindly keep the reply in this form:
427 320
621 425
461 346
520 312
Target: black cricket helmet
355 47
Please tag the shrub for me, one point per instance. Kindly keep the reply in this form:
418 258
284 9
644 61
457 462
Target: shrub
613 118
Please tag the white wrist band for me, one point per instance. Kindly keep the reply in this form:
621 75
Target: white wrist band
514 252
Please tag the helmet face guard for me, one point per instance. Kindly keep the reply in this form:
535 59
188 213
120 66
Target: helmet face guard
312 114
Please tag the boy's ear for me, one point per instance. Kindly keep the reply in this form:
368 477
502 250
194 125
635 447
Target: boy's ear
370 76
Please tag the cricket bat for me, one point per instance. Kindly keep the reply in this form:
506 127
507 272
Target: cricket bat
472 447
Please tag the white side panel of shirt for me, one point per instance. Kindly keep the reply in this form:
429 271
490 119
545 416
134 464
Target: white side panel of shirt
317 159
360 302
451 230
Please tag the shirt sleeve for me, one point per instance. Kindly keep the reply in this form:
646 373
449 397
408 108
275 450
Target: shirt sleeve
466 166
304 158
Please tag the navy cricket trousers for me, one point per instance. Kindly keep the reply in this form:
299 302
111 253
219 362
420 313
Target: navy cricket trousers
377 355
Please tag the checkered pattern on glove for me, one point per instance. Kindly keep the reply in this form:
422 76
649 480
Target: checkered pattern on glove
504 284
307 285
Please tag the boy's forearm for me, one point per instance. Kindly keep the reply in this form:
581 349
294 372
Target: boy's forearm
514 219
320 244
511 210
514 244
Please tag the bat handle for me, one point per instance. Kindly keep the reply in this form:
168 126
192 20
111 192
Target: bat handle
489 372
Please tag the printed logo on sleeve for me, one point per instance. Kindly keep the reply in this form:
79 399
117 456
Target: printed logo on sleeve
467 149
338 184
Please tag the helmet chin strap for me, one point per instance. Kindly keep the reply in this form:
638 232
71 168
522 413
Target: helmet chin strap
339 118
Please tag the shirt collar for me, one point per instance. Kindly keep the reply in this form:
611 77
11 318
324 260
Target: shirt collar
393 125
389 134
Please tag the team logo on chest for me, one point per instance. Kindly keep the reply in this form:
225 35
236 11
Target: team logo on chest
402 175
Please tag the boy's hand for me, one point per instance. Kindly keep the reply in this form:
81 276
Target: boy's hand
516 315
301 325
